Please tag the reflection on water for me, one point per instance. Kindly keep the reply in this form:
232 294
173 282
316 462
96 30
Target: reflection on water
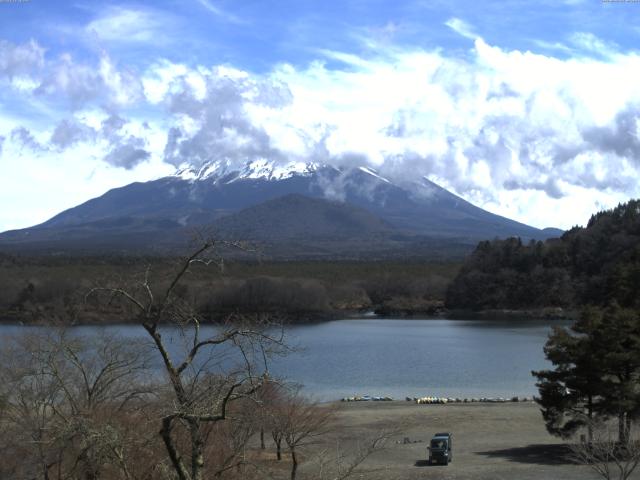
400 358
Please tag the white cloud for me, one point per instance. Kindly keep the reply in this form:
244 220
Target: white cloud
590 43
128 154
553 46
80 83
218 12
526 135
216 124
127 25
122 86
461 27
69 132
35 186
18 60
502 123
495 126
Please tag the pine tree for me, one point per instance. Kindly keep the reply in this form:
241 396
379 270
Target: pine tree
569 393
618 352
596 372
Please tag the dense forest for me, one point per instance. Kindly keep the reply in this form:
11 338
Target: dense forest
52 289
594 265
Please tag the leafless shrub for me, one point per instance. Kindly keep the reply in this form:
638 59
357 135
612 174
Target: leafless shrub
605 454
341 462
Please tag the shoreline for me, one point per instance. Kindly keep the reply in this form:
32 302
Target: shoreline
289 318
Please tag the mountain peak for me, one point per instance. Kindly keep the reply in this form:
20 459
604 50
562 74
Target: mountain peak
158 212
226 171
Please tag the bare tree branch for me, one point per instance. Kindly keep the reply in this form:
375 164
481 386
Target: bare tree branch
605 454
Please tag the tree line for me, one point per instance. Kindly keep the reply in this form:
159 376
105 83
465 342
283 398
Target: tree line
50 290
592 265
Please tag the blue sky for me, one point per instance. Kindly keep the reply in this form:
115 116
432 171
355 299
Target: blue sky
528 109
255 35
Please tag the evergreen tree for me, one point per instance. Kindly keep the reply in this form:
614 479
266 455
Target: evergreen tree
569 393
586 266
596 372
618 353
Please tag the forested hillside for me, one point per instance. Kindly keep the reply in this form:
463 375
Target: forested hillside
594 265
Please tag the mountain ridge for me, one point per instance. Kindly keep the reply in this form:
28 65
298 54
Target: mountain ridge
160 212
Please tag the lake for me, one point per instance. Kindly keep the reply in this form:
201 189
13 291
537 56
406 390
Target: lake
398 358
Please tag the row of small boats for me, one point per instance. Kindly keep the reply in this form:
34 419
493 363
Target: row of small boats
442 400
367 398
437 400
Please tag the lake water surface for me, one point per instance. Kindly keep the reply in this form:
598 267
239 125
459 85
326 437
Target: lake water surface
398 358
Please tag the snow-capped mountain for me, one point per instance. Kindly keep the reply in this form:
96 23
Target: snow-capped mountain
227 172
307 208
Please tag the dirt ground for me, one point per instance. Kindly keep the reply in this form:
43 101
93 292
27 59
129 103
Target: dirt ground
491 441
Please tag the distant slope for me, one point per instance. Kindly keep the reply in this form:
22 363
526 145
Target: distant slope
297 217
295 226
159 215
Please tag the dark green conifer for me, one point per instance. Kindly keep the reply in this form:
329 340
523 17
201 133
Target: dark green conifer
596 372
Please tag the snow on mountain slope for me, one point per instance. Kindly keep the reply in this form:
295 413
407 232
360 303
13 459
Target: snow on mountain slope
162 210
225 172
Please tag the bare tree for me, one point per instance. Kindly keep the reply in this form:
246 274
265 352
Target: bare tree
27 421
299 422
268 397
68 399
342 463
210 373
229 440
605 454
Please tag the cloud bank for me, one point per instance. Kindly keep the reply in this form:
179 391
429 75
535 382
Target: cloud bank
541 139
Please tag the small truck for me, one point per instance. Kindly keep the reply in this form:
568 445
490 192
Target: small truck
440 449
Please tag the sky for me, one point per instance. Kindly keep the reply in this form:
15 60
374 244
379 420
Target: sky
527 109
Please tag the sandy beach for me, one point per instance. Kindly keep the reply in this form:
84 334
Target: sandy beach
491 441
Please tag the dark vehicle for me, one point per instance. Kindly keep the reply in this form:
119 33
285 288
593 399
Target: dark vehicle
440 450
